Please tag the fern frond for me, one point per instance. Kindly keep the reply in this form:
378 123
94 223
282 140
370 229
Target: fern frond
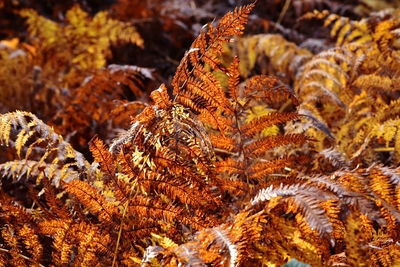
92 200
178 190
48 146
21 242
87 53
94 103
153 208
286 59
223 142
264 144
233 81
17 169
260 170
17 258
192 84
300 199
103 156
258 124
343 29
75 242
14 213
230 167
226 244
161 98
269 90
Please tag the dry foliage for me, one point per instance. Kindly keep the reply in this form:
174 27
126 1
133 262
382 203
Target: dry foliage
219 167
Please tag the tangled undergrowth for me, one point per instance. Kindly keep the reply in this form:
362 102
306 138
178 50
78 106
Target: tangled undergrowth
260 149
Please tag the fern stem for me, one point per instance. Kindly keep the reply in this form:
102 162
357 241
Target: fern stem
283 12
120 233
124 213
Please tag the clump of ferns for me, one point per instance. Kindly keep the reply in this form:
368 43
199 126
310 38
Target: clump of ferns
168 174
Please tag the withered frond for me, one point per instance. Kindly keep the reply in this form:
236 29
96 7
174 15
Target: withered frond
33 139
378 184
286 59
98 99
300 199
20 239
343 29
18 169
77 242
14 213
192 84
153 208
161 98
223 142
230 167
233 79
269 89
93 200
180 190
364 244
228 243
258 124
87 53
102 156
22 246
324 77
262 169
259 147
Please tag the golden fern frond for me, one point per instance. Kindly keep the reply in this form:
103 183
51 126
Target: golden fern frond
32 137
369 130
346 86
284 235
285 59
343 29
328 66
378 249
379 183
327 78
370 82
76 241
17 169
68 41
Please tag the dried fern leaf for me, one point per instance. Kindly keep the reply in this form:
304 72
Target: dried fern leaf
39 141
